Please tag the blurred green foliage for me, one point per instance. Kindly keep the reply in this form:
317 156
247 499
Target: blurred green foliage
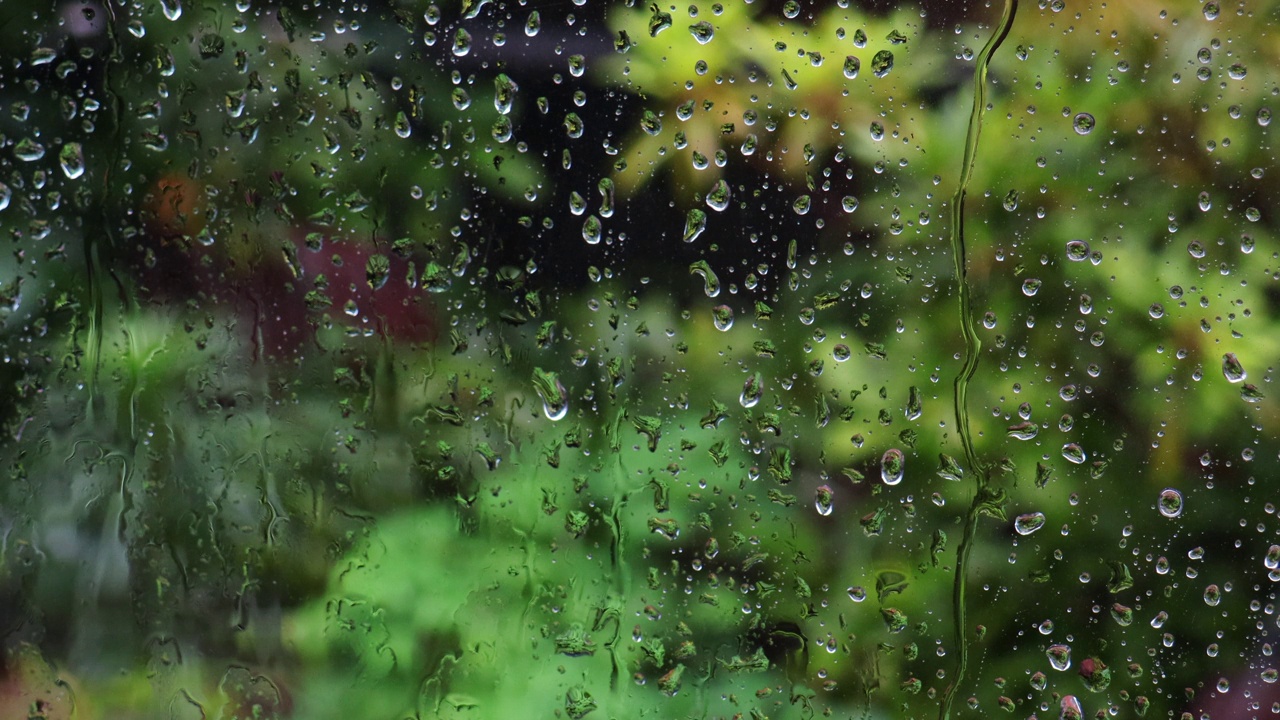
587 360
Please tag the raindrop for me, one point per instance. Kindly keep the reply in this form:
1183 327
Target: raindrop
823 500
1073 453
650 123
71 158
1083 123
753 388
694 223
1237 71
851 66
881 63
555 399
892 464
702 31
1029 523
591 230
1030 286
1170 503
1272 559
1232 369
1059 657
1212 595
172 8
1211 11
718 198
849 203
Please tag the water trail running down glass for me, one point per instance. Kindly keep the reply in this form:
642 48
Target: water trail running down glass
972 345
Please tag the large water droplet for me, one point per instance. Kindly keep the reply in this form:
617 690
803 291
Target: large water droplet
881 63
824 500
694 223
1170 503
752 391
1232 369
1083 123
1073 453
71 158
1059 657
892 465
1029 523
718 198
555 399
851 66
702 31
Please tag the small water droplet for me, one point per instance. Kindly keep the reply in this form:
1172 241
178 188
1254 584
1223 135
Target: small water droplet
1212 595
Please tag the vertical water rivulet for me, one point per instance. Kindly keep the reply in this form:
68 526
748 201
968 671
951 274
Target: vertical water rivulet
972 345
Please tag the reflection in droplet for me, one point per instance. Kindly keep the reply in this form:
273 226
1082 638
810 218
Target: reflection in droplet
1059 657
1029 523
1232 368
752 390
71 158
1170 503
1083 123
722 317
1074 453
892 465
824 500
1077 250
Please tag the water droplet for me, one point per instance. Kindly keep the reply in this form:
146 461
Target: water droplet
1272 559
1122 614
1059 657
851 66
461 43
71 158
718 198
402 126
533 24
1211 11
1073 453
694 223
1237 71
1232 369
573 125
555 399
650 123
1045 627
857 593
1031 286
892 465
824 500
877 131
172 8
577 65
841 352
5 196
1010 201
28 150
504 93
1270 675
1039 681
1083 123
801 205
1029 523
591 229
710 282
752 390
1212 595
881 63
849 203
1024 430
1170 503
1077 250
702 31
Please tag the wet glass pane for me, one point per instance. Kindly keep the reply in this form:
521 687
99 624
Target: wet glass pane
493 358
